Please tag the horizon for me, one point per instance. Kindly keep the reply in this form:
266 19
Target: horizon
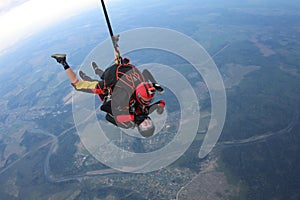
24 18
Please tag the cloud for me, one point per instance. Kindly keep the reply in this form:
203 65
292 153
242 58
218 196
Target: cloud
20 19
5 5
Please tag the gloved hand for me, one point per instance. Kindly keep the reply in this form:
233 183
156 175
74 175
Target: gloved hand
160 107
159 89
160 110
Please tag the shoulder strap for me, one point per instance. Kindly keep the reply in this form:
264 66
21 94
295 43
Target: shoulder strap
129 75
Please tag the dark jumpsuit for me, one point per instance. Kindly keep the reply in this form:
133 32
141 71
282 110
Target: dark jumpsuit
119 82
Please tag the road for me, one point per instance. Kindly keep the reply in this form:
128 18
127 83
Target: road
107 172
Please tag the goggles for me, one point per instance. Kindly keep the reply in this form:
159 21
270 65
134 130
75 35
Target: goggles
144 101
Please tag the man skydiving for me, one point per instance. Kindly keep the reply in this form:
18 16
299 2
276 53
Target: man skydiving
126 93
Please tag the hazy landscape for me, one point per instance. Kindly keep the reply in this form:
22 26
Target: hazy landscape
255 45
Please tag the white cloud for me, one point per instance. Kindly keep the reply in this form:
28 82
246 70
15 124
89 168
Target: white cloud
4 3
34 15
8 4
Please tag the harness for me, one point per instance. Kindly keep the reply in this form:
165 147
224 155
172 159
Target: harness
123 76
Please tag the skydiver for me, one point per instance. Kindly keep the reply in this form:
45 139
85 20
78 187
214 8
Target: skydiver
126 93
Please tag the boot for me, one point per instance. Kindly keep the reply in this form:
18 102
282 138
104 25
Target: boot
60 58
85 77
97 70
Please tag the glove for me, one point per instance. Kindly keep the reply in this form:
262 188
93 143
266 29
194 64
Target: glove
160 107
160 110
159 89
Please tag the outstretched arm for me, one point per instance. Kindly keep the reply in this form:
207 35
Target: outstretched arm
148 76
159 106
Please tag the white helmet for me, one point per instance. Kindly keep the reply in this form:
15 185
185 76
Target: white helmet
146 128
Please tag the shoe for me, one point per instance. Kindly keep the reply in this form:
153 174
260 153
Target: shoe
97 70
159 89
84 77
95 66
60 58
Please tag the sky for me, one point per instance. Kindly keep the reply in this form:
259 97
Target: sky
22 18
